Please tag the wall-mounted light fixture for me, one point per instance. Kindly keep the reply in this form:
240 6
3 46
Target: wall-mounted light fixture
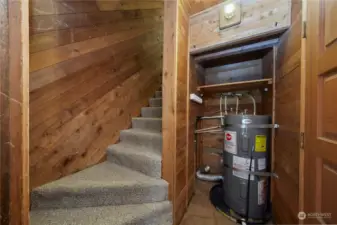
230 13
229 10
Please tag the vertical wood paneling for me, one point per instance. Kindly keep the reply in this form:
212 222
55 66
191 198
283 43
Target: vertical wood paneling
175 104
181 187
193 110
5 115
91 70
179 80
14 141
241 71
169 96
200 5
288 116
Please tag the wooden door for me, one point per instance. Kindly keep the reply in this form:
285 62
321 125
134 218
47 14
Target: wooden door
320 201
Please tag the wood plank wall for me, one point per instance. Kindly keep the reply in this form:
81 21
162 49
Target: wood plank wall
287 140
175 123
179 80
93 66
14 115
200 5
235 72
214 143
259 19
267 70
197 78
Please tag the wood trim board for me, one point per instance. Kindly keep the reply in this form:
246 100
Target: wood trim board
14 113
259 19
235 86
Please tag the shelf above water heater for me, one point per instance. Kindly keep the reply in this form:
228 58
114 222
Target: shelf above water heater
235 86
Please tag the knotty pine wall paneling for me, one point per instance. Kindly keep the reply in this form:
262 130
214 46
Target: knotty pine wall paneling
93 66
14 115
259 20
200 5
194 159
267 95
214 143
178 146
180 78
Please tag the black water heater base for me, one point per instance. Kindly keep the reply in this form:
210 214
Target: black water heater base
216 198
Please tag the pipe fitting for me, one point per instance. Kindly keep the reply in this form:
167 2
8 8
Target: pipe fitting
202 174
254 102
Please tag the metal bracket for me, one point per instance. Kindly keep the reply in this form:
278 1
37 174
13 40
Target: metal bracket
255 173
220 130
271 126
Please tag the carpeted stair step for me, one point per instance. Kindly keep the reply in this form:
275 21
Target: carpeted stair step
155 102
152 112
159 94
152 124
140 214
143 138
136 158
103 184
165 219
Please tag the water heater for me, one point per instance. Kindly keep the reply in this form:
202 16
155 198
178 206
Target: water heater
243 189
247 153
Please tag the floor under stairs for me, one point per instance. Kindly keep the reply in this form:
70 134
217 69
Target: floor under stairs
124 190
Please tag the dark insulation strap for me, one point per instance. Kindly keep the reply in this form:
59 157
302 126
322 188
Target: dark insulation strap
255 173
270 126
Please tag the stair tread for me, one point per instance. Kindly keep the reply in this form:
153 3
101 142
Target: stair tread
136 157
143 132
129 149
103 184
156 102
104 215
156 98
146 138
152 112
105 174
153 107
147 118
109 192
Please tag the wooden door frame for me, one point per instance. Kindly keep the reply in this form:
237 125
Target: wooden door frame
314 163
176 106
302 107
14 109
308 128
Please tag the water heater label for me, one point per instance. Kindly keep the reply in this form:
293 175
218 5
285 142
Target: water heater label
260 143
230 142
261 164
242 164
261 192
